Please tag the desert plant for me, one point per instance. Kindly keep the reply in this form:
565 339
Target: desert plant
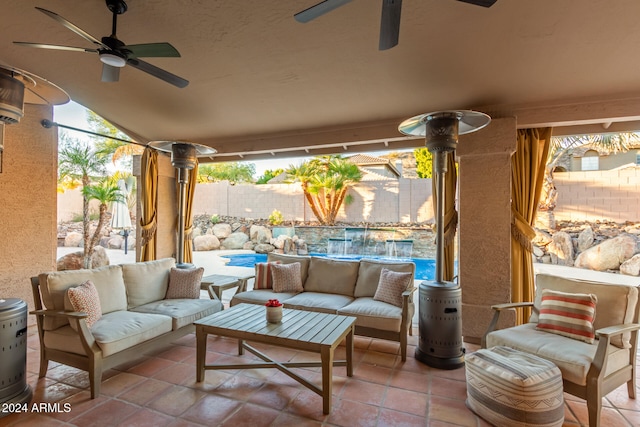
215 219
276 217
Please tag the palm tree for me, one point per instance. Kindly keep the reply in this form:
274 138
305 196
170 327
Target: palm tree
325 181
105 192
77 161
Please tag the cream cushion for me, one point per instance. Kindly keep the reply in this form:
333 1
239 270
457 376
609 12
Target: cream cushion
147 281
288 259
183 312
573 360
369 275
331 276
117 331
318 301
108 281
260 296
374 314
616 304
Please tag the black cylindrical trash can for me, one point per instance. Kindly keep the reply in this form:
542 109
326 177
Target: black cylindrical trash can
13 352
440 324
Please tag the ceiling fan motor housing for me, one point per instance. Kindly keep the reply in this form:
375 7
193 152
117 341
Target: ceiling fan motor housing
11 98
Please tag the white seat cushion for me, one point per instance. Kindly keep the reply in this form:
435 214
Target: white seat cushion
182 311
119 330
374 314
318 301
260 296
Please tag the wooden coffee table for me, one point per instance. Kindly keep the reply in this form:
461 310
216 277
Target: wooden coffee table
216 283
302 330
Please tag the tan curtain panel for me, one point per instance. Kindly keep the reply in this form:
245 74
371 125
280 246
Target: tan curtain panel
149 202
188 220
450 215
527 174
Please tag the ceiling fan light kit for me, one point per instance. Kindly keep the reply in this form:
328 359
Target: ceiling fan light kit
115 54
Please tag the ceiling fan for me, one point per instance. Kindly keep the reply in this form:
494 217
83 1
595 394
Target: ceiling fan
389 24
114 54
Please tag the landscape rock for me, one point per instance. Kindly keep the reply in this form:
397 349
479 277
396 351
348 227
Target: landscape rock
74 260
206 242
73 240
248 246
561 249
608 255
115 242
222 230
585 239
259 234
542 238
631 267
235 240
264 248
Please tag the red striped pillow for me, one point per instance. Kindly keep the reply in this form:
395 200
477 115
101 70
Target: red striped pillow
263 278
570 315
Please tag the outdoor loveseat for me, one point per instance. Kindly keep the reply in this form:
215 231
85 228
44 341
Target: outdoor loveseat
97 319
377 293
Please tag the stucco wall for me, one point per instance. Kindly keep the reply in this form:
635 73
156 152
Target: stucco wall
598 195
28 200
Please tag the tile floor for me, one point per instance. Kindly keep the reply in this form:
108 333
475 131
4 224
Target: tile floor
159 389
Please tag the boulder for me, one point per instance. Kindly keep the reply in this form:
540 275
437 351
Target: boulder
263 248
235 240
561 249
259 234
631 267
74 260
206 242
73 240
249 245
609 254
537 252
197 231
542 238
585 239
222 230
115 242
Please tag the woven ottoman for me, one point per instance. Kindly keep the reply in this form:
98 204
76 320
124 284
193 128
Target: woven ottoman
510 388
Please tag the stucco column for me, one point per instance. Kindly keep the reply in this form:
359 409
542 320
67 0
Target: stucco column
484 268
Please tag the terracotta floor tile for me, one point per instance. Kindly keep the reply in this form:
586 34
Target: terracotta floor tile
307 404
288 420
633 417
120 383
274 396
451 411
364 392
212 410
391 418
110 413
384 346
406 401
147 418
144 392
353 414
250 415
376 374
380 359
177 353
448 388
239 387
151 366
410 381
176 400
178 373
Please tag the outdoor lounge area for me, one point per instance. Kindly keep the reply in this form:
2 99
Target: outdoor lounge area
254 83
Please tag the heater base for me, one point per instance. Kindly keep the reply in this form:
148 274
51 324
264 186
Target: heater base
448 363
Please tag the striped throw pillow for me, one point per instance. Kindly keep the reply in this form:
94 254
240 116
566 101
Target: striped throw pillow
263 278
570 315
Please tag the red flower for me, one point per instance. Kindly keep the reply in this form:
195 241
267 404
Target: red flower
273 303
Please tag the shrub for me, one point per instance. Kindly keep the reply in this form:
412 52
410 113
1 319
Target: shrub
215 219
276 217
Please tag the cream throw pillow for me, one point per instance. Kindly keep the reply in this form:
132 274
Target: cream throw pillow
391 286
184 283
84 298
286 277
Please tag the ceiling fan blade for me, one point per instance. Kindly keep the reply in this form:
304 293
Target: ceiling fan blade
158 72
483 3
110 73
79 31
148 50
390 24
318 10
56 47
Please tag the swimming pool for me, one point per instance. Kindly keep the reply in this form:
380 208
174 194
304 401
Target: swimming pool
425 268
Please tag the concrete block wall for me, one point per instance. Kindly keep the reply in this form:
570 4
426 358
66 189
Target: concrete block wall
598 195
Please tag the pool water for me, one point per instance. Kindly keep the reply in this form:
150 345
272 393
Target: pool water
425 268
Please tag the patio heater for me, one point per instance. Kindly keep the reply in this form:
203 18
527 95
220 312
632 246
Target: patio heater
440 302
183 158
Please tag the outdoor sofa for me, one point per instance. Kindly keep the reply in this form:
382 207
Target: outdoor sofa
127 310
345 287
